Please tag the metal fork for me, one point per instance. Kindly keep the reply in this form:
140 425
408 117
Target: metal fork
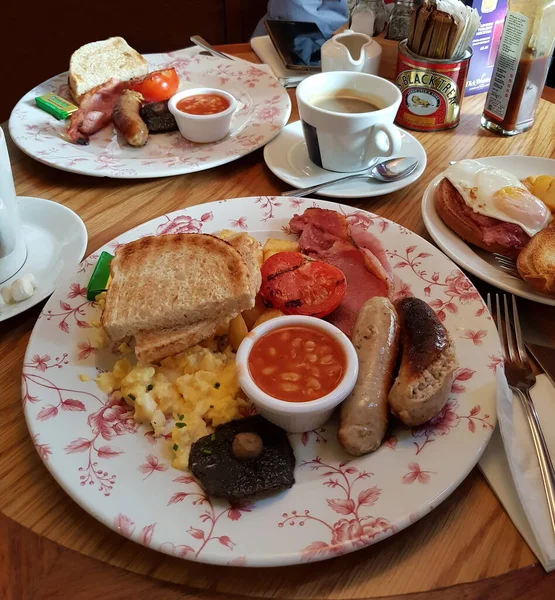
202 43
507 264
521 379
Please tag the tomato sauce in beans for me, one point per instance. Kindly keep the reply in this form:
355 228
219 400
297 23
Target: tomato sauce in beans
297 363
203 104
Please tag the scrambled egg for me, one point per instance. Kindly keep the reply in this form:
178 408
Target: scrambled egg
198 389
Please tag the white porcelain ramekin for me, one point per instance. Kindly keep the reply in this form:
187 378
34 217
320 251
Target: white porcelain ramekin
203 128
296 417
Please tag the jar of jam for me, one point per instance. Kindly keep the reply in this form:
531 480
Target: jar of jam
521 66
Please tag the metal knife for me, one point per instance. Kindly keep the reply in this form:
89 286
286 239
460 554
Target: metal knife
545 357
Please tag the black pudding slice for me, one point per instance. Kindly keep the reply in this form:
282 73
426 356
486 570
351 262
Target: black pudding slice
222 475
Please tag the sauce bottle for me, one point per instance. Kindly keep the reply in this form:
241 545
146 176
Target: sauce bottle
521 66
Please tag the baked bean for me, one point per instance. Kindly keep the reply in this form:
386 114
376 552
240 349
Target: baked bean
286 363
290 376
327 359
289 387
313 383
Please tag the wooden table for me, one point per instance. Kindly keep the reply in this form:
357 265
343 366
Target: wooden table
49 547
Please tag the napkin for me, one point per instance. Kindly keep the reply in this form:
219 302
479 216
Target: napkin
511 467
266 52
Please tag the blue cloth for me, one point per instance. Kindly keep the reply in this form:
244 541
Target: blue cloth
329 15
307 48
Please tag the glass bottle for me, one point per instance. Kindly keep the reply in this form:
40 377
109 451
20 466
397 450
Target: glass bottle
399 21
521 66
367 16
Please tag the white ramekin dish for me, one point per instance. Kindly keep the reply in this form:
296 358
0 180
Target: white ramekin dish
203 128
296 417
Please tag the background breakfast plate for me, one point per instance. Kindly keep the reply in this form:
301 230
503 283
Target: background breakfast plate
264 109
105 461
56 241
475 260
287 158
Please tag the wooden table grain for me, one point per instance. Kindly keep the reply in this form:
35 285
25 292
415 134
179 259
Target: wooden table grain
49 547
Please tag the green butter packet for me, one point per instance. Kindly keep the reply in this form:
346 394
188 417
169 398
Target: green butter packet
99 278
55 105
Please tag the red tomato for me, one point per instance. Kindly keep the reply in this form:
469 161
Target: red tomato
298 285
157 86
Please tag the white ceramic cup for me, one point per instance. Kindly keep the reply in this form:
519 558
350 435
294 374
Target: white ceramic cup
13 251
296 417
349 142
203 128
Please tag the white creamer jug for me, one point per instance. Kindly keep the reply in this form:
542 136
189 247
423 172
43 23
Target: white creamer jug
13 250
351 51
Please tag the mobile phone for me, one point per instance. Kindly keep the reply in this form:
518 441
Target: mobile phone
298 43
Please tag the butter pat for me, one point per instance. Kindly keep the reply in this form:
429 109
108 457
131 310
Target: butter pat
55 105
19 290
23 288
100 278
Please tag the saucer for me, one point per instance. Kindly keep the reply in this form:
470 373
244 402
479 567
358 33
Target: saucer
56 240
287 157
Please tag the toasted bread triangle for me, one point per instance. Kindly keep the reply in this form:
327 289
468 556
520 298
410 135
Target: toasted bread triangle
536 262
160 282
153 346
97 62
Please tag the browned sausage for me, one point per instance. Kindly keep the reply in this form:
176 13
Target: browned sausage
427 366
127 119
363 415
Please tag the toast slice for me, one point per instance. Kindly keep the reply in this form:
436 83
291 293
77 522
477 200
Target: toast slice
153 346
536 262
162 282
96 63
251 253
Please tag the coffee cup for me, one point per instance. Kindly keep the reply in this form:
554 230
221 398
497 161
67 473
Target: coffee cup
347 119
13 251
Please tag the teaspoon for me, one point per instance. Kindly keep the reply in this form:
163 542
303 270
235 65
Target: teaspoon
387 171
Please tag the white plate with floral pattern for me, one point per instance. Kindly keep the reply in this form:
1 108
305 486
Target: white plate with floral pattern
105 461
264 108
475 260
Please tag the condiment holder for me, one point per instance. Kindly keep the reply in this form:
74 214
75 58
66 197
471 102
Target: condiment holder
296 417
203 128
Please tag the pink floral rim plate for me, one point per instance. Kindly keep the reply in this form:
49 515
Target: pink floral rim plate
264 108
121 475
476 261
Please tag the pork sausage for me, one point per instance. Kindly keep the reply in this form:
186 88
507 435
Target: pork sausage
363 415
127 119
427 364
